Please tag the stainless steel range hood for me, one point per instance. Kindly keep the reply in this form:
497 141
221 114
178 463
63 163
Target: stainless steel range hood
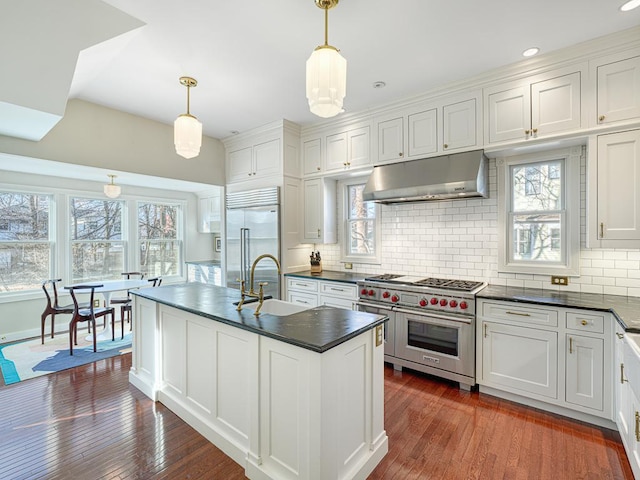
461 175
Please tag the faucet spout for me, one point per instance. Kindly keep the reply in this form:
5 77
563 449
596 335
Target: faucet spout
253 269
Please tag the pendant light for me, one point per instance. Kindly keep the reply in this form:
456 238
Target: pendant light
187 130
112 190
326 73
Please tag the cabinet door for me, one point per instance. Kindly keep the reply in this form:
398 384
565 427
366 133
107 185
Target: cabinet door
584 371
619 91
521 359
390 139
359 142
622 389
555 105
319 211
423 132
266 157
509 114
633 415
312 156
336 151
459 125
619 186
240 164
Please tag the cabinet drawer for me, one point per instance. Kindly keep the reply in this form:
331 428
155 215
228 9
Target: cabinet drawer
339 289
336 302
306 300
520 314
301 284
585 322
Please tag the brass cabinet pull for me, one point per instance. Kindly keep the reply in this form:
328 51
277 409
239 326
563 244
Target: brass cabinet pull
446 146
570 344
584 323
485 330
518 313
400 154
622 379
637 427
601 230
318 168
535 130
601 118
620 335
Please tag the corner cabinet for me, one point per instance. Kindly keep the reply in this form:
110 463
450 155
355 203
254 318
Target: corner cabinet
319 219
614 190
556 359
313 292
534 107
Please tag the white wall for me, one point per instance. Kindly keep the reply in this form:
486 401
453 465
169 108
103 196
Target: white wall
459 239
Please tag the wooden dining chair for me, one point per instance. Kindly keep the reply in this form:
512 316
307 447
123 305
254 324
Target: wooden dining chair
125 310
53 307
88 314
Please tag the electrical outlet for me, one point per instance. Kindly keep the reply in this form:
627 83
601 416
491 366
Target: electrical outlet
96 304
379 335
348 266
559 280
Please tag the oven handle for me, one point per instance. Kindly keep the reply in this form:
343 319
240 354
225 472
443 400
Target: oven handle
375 305
437 316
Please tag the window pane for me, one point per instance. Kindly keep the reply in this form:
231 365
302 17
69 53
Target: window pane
24 217
23 266
358 208
97 261
537 186
157 221
537 237
361 237
160 258
96 219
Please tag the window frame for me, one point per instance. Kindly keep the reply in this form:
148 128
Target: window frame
346 256
569 214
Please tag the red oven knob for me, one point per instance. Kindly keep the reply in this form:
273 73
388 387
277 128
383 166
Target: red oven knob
386 295
395 298
364 291
372 293
463 305
443 302
423 303
434 301
453 304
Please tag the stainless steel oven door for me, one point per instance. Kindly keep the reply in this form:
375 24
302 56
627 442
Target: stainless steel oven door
436 341
389 326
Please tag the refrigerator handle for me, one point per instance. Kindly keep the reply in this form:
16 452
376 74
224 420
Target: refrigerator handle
242 244
247 255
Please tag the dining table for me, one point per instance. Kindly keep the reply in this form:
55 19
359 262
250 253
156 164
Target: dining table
106 288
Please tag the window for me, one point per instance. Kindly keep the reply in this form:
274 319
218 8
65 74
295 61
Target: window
361 233
25 245
538 208
97 246
160 239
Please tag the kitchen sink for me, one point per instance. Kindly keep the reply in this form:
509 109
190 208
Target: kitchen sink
276 307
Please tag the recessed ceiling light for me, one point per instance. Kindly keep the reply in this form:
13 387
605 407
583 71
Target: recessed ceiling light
379 84
530 52
630 5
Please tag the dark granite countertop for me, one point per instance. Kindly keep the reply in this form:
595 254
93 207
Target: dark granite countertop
317 329
625 309
330 275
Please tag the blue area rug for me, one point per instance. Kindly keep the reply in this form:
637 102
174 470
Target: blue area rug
27 359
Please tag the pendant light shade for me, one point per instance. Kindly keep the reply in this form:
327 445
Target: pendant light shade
326 73
112 190
187 130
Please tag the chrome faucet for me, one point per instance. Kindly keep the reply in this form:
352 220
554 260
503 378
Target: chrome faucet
252 292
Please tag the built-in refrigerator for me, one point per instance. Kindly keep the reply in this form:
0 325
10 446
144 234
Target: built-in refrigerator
253 228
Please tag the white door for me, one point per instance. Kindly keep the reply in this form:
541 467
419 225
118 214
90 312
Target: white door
423 132
459 125
359 144
555 105
312 156
619 186
521 359
584 371
267 158
390 139
619 91
336 151
239 165
312 210
509 114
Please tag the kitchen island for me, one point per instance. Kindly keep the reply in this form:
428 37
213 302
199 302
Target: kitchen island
287 397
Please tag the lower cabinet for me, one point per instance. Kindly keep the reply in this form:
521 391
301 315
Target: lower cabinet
312 292
559 358
627 406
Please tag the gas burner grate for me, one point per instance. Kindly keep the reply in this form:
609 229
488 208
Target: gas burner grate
385 277
464 285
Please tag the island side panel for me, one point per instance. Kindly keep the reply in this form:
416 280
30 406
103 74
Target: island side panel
145 356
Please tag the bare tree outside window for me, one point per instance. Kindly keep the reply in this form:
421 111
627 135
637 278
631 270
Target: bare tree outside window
159 239
361 222
97 247
25 247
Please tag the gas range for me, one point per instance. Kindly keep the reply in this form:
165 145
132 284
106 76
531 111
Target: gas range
421 293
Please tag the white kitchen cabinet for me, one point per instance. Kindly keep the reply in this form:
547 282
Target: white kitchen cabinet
209 213
557 359
623 399
259 160
627 403
532 108
312 156
314 292
452 123
319 211
347 149
618 91
614 187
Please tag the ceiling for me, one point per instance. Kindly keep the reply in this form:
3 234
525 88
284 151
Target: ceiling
249 57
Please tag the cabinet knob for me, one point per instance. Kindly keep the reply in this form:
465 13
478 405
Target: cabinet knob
249 174
534 131
445 146
601 118
400 154
318 168
584 323
526 132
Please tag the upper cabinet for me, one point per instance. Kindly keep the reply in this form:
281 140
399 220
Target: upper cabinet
534 107
618 91
258 160
429 128
319 214
209 211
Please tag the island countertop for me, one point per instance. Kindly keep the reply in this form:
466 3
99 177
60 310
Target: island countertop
318 329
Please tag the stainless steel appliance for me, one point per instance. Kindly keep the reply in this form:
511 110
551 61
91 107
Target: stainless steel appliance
253 229
431 325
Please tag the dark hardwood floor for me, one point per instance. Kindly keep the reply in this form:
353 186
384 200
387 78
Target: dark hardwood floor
89 423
